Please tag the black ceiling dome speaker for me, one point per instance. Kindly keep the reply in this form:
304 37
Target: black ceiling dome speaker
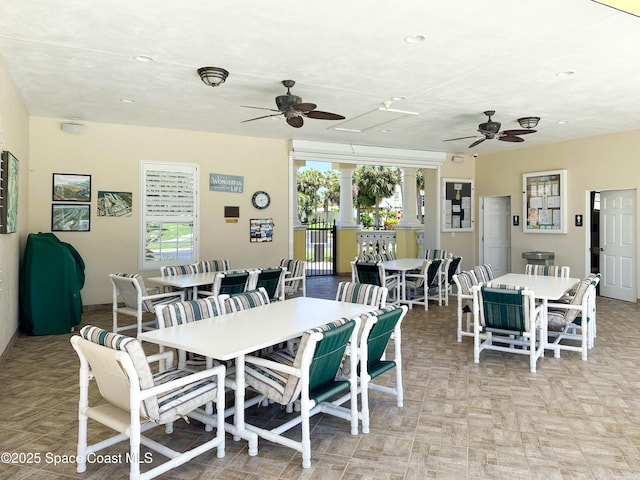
293 109
491 129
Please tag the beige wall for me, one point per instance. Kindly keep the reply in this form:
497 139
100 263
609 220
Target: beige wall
111 154
596 163
14 137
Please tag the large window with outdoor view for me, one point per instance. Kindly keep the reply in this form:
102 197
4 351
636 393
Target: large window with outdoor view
169 220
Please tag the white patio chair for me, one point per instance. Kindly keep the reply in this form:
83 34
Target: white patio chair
379 327
565 320
362 293
510 321
295 277
272 280
484 273
464 281
138 400
137 300
310 376
374 274
548 270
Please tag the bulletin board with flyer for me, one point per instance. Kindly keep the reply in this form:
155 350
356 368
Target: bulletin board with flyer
544 202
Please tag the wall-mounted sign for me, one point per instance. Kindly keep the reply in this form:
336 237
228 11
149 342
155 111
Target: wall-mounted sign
226 183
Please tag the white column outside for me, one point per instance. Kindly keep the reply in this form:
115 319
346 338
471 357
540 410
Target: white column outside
409 208
345 219
295 220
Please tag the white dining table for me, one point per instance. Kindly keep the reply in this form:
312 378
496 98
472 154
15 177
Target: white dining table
187 281
234 335
544 288
402 266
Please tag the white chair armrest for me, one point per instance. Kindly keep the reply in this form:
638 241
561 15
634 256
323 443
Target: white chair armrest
164 295
263 362
564 306
165 358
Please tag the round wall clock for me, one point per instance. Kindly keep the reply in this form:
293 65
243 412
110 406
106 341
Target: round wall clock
261 200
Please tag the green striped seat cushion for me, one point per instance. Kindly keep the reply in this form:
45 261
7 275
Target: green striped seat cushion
213 265
361 293
178 269
177 313
484 273
284 388
561 316
245 300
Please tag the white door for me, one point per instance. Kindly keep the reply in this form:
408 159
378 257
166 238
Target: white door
495 239
618 244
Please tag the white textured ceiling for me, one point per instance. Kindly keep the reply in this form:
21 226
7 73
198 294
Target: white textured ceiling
74 59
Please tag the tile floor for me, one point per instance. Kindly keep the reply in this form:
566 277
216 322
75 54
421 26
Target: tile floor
496 420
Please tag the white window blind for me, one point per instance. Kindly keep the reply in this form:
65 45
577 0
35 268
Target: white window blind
169 214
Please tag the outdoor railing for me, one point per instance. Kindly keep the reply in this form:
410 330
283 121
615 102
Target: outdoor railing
377 241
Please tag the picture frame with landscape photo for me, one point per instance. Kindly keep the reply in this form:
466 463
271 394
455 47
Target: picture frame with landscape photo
68 217
8 193
71 187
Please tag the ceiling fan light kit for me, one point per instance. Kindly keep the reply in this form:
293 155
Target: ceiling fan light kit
293 110
491 129
529 122
213 76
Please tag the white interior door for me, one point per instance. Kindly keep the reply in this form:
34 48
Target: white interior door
495 236
618 244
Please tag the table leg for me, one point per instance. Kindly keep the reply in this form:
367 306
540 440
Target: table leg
545 327
403 288
238 418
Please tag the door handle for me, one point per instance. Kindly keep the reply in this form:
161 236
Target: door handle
601 249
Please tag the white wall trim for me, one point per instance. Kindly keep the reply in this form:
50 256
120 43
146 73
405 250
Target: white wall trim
364 155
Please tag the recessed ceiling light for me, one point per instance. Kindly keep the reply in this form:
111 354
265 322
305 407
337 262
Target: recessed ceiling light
127 100
415 38
398 98
385 130
143 58
563 122
354 130
567 73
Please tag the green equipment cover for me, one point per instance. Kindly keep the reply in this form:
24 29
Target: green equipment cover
51 277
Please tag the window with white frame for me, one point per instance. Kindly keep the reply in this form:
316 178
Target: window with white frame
169 220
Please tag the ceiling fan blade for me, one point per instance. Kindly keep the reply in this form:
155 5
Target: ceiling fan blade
304 107
264 116
295 122
511 138
261 108
518 132
324 115
460 138
477 142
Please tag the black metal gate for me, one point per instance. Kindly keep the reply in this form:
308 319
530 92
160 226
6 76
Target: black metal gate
321 249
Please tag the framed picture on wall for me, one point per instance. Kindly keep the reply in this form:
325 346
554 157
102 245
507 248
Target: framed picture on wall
261 230
66 217
457 205
544 202
8 193
70 187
